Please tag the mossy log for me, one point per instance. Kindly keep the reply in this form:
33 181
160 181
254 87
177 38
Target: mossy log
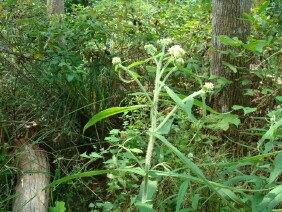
33 176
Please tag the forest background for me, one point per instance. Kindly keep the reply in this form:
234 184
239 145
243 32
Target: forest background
133 109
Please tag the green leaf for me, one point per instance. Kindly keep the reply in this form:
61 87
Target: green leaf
144 207
141 62
9 198
181 194
59 207
151 69
166 128
263 7
200 104
231 195
271 200
155 173
147 206
230 41
109 112
187 106
95 155
136 64
188 72
269 133
195 201
276 171
84 155
249 92
186 160
233 68
192 166
255 46
135 170
279 98
222 121
134 74
175 98
251 18
251 159
136 150
75 176
245 109
70 77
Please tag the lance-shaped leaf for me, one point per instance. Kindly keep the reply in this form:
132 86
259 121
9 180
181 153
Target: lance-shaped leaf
109 112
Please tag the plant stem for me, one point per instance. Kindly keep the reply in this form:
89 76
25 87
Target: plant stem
152 138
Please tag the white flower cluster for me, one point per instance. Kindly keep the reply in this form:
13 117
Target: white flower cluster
208 86
116 61
150 49
176 52
164 41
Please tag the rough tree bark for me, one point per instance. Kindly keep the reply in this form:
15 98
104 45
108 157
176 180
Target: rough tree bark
227 20
33 167
55 7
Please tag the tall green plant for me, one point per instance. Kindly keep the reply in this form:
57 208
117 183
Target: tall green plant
166 62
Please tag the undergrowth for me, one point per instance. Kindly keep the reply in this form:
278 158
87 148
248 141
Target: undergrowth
56 75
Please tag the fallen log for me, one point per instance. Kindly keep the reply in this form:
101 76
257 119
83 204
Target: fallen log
33 175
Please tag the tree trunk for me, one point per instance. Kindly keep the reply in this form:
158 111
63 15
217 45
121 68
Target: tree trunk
33 176
227 20
55 7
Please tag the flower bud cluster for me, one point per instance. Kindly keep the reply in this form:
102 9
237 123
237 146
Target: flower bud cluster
116 61
150 49
164 41
176 52
208 86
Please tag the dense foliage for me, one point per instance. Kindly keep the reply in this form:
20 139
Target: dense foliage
59 87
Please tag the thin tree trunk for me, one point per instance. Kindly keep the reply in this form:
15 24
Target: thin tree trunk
55 7
33 167
227 20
